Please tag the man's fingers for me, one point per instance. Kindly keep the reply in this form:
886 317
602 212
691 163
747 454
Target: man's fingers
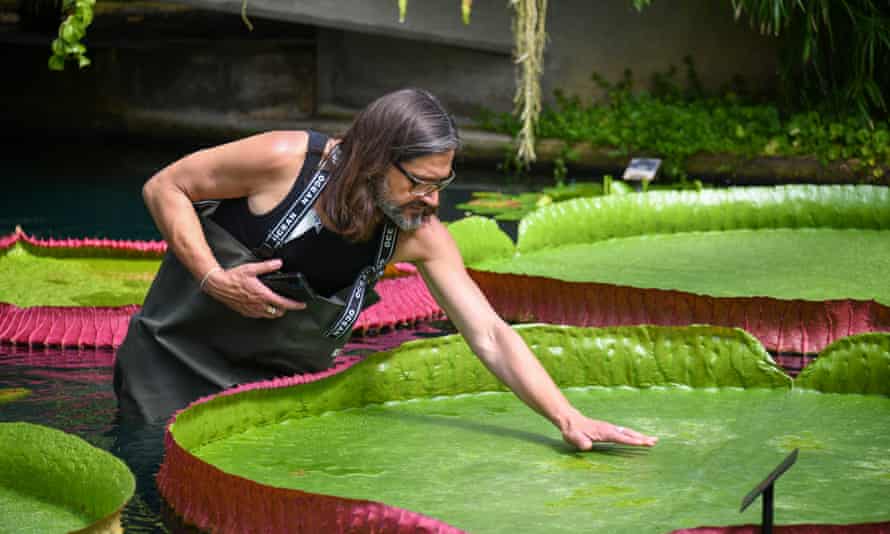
615 434
285 303
631 437
257 268
584 433
271 298
581 441
263 267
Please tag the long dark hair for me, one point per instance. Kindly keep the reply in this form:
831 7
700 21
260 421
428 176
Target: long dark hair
399 126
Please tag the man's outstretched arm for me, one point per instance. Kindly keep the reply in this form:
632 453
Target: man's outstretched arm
497 345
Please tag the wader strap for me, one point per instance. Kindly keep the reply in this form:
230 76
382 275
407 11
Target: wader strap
300 208
304 201
366 278
317 142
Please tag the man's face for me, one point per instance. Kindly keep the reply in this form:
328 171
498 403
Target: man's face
396 195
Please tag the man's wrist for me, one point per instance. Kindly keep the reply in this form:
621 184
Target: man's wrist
564 419
206 276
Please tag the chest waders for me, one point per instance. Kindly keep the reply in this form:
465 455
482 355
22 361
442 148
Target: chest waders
184 344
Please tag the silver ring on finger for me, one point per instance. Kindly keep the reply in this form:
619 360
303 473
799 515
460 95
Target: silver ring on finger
271 310
620 429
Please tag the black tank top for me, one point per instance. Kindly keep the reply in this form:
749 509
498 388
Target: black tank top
327 260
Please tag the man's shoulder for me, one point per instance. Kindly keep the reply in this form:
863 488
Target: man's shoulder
277 150
426 243
292 143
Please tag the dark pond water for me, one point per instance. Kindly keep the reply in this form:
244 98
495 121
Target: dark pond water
93 188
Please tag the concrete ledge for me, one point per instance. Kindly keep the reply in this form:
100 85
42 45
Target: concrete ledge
480 148
791 169
738 169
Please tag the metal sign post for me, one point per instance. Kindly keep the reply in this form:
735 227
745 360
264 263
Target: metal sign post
766 489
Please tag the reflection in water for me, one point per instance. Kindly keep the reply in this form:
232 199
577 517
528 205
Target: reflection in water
71 390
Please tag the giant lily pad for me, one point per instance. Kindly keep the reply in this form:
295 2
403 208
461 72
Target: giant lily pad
798 266
666 212
426 428
795 242
51 481
27 279
817 264
480 239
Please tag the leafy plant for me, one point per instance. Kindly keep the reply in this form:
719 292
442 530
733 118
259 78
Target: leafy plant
675 122
68 45
834 52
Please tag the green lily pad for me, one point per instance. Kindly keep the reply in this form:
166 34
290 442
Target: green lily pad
484 463
816 264
589 220
30 280
854 364
501 205
796 242
13 394
506 207
426 427
51 481
479 239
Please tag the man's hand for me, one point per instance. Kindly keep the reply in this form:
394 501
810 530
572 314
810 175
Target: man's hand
239 289
582 432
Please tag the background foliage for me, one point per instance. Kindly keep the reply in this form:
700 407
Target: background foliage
835 53
77 16
675 122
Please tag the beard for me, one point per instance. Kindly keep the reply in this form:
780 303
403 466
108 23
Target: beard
408 216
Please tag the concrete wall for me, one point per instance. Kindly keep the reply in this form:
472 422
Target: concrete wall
606 36
609 36
356 68
177 67
191 69
436 21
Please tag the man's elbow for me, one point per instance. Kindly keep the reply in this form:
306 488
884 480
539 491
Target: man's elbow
153 188
149 191
489 342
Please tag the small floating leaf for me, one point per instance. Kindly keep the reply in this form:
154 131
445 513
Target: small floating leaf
13 394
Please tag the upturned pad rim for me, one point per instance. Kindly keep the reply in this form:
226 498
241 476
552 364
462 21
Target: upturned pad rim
47 464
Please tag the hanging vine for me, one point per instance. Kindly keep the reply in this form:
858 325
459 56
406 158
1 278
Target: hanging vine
529 39
466 6
68 45
530 36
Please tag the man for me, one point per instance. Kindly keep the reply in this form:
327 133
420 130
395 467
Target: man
210 321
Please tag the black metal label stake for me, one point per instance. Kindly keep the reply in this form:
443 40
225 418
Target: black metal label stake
766 488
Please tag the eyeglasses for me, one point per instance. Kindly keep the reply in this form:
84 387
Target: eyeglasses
421 187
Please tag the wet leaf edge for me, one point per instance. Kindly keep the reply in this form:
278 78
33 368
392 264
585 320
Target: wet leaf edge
47 464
